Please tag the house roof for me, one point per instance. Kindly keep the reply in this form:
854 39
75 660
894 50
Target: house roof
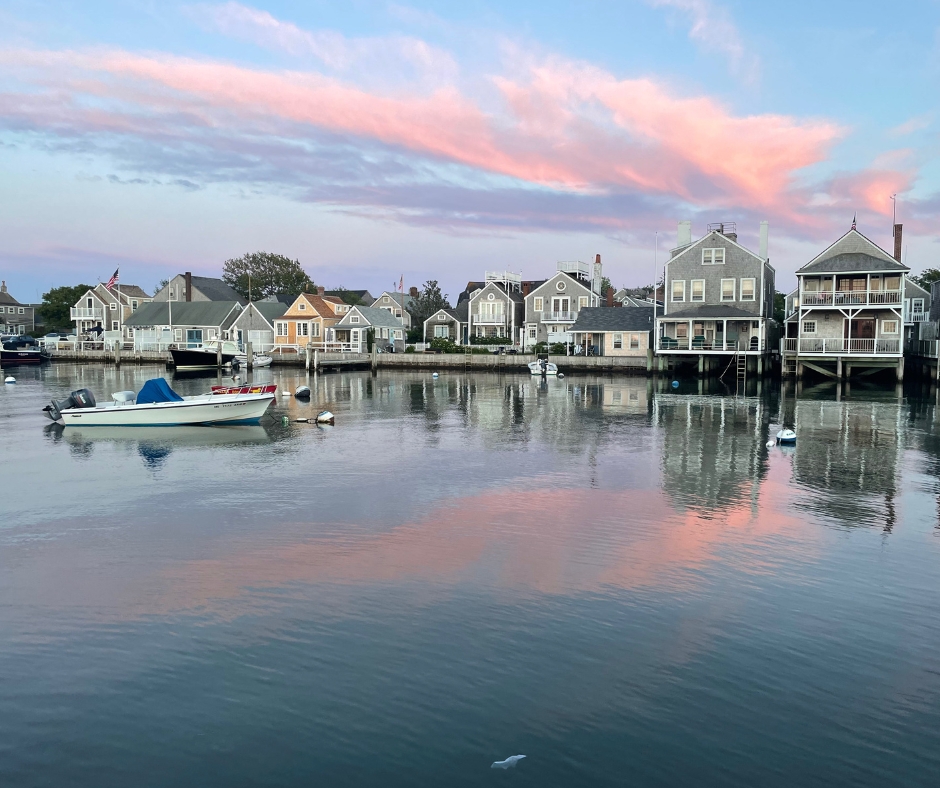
186 313
269 310
6 298
365 295
458 313
586 286
131 291
279 298
852 252
215 290
705 312
603 318
396 297
512 295
373 317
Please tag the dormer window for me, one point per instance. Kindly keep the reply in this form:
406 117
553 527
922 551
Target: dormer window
302 307
354 319
713 256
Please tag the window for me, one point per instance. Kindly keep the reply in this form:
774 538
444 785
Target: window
532 332
112 306
538 304
442 331
442 316
302 306
383 333
280 328
303 330
315 329
500 331
385 299
682 330
917 306
354 319
22 310
618 341
582 302
212 333
3 309
678 290
480 331
354 335
713 256
134 305
397 333
170 297
115 326
397 313
177 334
727 289
747 289
559 285
634 341
889 326
698 290
809 326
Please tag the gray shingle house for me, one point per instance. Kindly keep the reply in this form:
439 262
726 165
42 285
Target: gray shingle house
552 308
614 331
497 308
351 334
448 324
850 309
184 323
719 297
15 318
186 287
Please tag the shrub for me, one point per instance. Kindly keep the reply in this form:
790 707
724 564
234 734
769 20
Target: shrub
410 349
557 349
540 348
491 341
442 345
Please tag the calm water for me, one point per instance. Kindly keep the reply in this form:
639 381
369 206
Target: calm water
626 586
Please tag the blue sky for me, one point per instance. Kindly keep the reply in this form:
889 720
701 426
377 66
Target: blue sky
373 140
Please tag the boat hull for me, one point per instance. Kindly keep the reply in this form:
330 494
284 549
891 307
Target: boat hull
15 358
184 358
205 409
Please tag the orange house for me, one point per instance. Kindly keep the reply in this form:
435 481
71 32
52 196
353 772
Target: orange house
306 320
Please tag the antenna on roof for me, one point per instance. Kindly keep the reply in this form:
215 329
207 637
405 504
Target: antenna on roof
894 223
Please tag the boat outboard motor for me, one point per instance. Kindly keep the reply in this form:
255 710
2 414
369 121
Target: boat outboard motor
82 398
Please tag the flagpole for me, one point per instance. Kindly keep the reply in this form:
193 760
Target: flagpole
401 287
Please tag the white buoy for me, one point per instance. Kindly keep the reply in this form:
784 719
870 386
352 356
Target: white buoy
771 444
9 379
560 375
435 375
285 393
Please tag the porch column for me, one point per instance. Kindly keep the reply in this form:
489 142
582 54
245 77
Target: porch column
724 335
690 335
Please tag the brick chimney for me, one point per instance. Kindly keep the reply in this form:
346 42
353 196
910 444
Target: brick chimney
3 286
610 296
413 292
526 288
189 285
897 241
320 290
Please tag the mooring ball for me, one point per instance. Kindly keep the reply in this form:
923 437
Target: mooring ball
675 384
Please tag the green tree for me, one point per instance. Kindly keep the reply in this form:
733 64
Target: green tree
927 277
348 296
56 305
265 274
605 286
780 306
161 284
429 301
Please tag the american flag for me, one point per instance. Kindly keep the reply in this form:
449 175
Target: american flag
401 284
113 280
853 221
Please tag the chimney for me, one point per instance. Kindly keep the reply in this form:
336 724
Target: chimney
763 240
3 286
897 242
320 290
685 233
413 292
189 285
610 296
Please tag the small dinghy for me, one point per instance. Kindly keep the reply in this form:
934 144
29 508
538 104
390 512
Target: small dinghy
785 437
325 417
302 392
258 360
543 367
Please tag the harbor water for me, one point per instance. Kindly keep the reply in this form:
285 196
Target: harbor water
619 580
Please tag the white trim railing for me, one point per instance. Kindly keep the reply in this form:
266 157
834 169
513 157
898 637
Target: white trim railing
559 317
789 344
850 298
916 317
700 344
830 345
489 320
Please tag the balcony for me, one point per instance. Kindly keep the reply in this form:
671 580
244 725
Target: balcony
852 347
559 317
489 320
842 298
83 313
916 317
701 345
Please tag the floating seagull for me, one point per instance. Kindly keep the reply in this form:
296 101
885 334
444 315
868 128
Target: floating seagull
509 763
771 444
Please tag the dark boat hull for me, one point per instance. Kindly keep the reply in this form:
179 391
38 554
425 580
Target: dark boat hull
14 358
198 359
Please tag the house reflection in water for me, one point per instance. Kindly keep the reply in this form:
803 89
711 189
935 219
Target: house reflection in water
847 458
714 453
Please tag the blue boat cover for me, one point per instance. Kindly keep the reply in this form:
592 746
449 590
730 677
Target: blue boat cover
157 390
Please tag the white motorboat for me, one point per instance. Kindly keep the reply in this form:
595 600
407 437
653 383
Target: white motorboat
157 405
543 367
786 437
258 360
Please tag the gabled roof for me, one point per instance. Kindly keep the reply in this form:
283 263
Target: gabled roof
269 310
6 298
682 250
512 295
364 295
604 318
373 316
458 313
710 312
185 313
216 290
853 252
567 277
131 291
396 297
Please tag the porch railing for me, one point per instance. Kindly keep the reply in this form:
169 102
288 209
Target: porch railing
83 313
490 320
559 317
697 344
852 346
850 297
917 317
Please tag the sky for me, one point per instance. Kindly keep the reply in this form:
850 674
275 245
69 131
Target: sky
379 140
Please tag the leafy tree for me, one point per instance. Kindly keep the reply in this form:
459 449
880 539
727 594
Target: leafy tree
266 273
56 305
605 286
429 301
161 284
348 296
928 277
780 306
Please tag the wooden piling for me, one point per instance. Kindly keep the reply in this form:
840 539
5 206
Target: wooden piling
250 363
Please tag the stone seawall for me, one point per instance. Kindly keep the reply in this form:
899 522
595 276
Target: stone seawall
629 365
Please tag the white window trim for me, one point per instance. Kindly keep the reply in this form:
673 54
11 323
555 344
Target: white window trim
672 290
753 288
805 330
734 292
635 342
710 256
302 306
354 319
280 328
582 302
692 297
884 329
538 304
618 341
